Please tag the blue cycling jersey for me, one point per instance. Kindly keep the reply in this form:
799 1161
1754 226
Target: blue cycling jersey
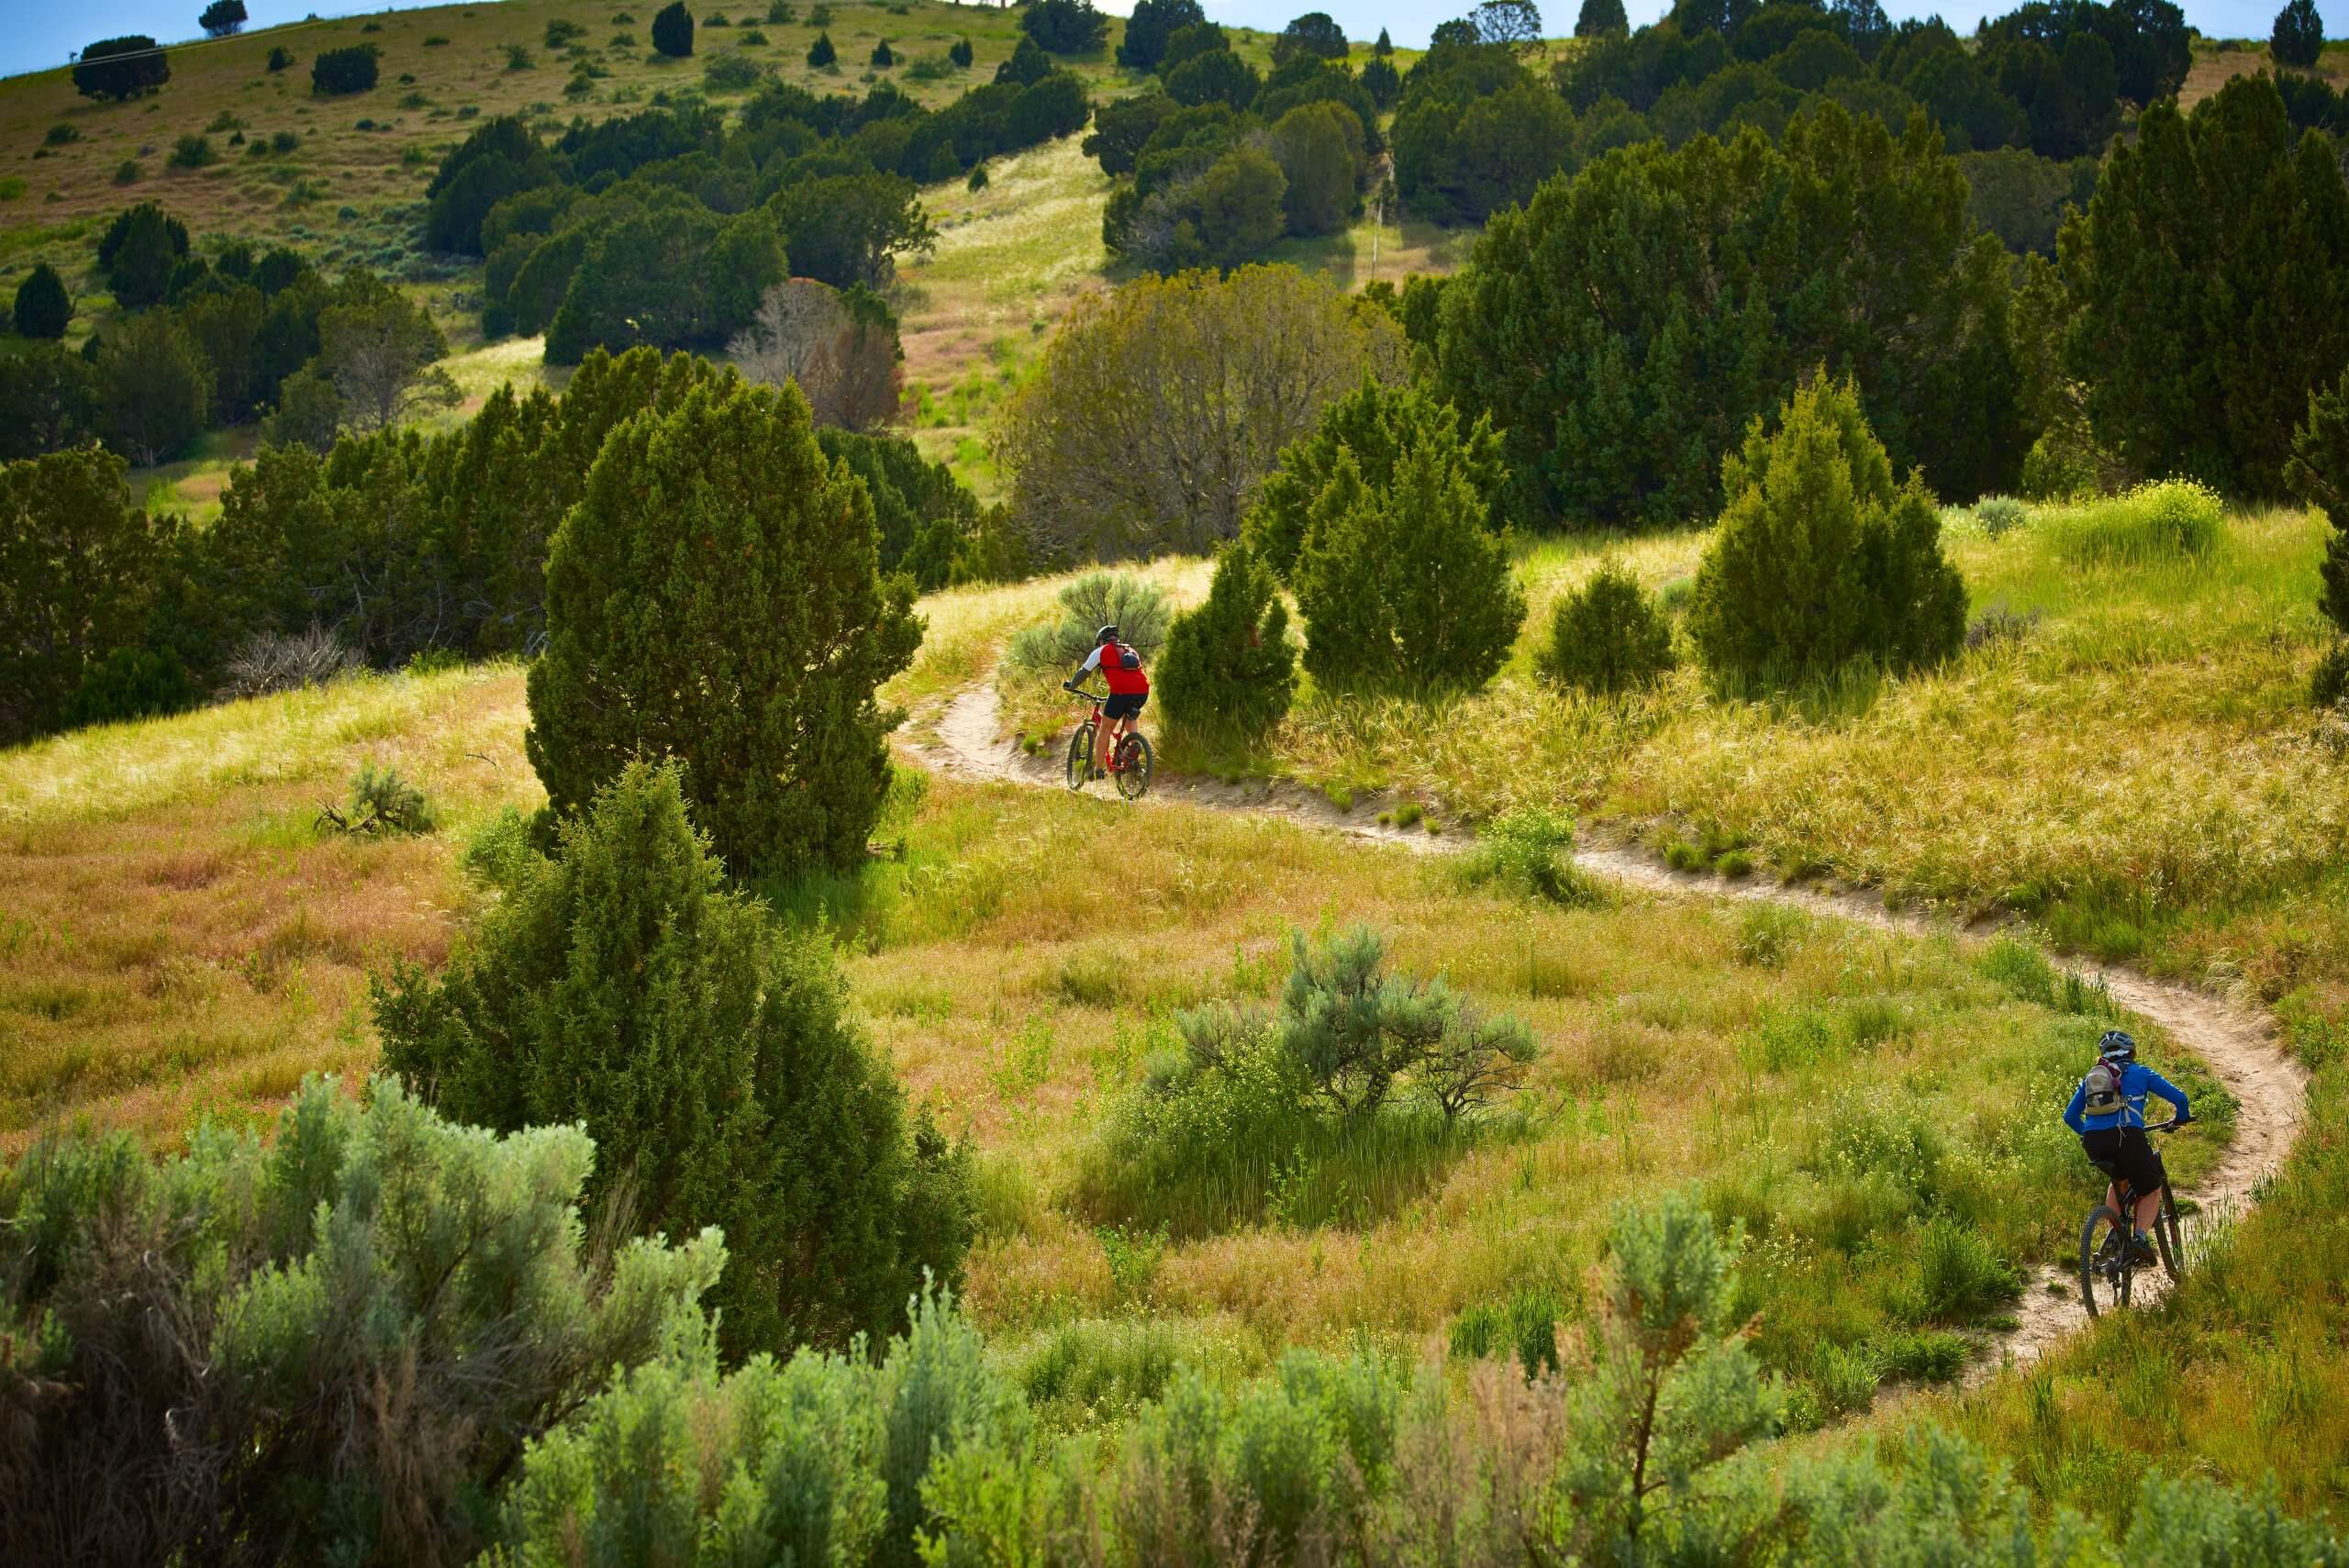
2137 1081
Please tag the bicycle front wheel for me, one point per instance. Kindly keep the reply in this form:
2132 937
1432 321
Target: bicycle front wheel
1080 756
2104 1262
1133 766
2168 1236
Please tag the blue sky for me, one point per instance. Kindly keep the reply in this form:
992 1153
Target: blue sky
36 34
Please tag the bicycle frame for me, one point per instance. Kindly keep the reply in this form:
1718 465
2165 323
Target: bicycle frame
2117 1269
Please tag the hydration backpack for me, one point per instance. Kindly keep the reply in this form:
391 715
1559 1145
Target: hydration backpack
2104 1086
1127 659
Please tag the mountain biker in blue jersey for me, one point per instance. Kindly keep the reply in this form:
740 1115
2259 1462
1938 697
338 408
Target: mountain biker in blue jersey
2108 1110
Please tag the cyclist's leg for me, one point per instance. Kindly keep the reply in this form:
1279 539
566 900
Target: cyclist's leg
2149 1208
1102 725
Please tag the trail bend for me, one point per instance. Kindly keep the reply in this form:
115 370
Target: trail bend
2237 1042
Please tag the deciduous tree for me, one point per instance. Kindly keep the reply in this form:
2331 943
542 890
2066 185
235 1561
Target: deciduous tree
222 17
840 349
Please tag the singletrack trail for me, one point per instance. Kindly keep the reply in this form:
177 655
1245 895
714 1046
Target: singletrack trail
2236 1042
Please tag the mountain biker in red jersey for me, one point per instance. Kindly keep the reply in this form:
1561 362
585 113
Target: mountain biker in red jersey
1129 689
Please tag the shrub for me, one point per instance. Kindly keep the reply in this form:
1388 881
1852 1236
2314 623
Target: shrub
121 68
781 738
329 1341
42 308
128 172
959 51
1819 558
1530 852
61 134
1958 1278
821 55
137 253
562 33
673 30
882 58
518 58
1768 933
193 151
2154 522
705 1049
782 13
132 682
1999 515
1402 587
1138 608
1607 636
1230 670
2318 473
281 58
267 663
383 802
731 71
2329 682
1525 1326
338 72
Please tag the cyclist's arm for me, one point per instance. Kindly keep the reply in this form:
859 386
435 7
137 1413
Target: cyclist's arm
2071 1117
2157 1084
1092 663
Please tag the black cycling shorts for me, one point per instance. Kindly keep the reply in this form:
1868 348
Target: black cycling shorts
2125 1153
1123 705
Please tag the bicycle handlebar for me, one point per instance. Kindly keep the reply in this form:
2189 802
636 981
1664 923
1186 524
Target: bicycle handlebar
2172 1125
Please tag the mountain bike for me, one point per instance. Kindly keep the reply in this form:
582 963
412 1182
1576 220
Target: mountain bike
2108 1260
1130 759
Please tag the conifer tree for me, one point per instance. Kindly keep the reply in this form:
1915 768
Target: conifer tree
715 597
2319 471
673 30
42 308
1228 671
821 53
1607 636
2298 37
1600 19
1820 558
621 986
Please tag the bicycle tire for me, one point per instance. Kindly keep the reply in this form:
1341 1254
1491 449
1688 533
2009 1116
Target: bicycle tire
2104 1235
1133 766
2168 1236
1080 756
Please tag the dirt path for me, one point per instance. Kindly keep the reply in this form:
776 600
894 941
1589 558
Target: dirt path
2236 1041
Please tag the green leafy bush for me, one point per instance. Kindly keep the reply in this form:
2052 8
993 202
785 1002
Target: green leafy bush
330 1343
731 71
1607 636
193 151
621 987
1528 851
1820 558
1958 1277
1138 608
1230 670
42 308
771 710
2164 521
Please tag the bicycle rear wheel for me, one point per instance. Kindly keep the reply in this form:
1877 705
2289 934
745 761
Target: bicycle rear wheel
1080 756
1133 766
2168 1236
2104 1261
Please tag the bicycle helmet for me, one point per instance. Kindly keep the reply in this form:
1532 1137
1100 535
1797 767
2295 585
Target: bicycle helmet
1106 635
2117 1045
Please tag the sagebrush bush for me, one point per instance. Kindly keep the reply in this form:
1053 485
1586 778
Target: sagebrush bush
384 802
1607 636
751 655
320 1350
1999 515
2166 520
622 987
1138 608
1230 670
1821 559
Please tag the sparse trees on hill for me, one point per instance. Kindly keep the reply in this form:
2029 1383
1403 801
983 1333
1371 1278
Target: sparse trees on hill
673 30
1821 558
222 17
2297 39
1148 27
2210 274
620 986
121 68
1159 407
751 657
338 71
42 309
1229 672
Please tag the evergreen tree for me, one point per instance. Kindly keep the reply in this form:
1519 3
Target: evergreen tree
121 68
1384 47
673 30
1316 34
2297 39
138 252
1229 672
714 599
882 58
1607 636
78 567
2212 275
1382 82
42 308
959 51
1820 558
821 55
1319 150
2318 473
1601 18
48 401
705 1050
1064 27
1376 424
154 387
222 17
338 71
1148 27
1402 586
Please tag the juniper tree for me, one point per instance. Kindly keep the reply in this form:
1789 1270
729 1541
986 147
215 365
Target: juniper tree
621 986
1607 636
42 308
1229 671
2319 471
715 597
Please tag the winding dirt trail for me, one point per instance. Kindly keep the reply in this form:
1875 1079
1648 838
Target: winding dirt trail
2236 1041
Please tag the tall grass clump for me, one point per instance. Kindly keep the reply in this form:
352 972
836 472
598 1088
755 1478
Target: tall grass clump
2169 519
